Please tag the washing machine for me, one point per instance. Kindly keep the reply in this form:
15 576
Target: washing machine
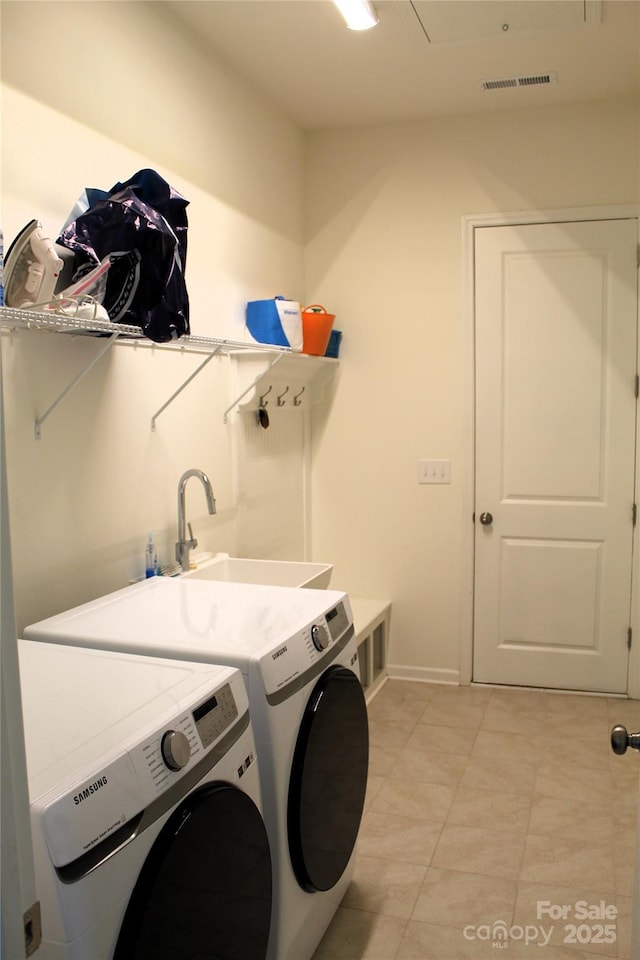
146 815
297 652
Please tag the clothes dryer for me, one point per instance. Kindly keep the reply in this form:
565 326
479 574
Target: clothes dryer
149 843
296 649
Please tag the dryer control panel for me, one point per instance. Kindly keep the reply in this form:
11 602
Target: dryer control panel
284 667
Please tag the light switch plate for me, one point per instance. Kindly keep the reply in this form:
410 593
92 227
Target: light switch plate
434 471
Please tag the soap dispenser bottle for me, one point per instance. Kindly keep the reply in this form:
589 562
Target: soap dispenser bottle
150 558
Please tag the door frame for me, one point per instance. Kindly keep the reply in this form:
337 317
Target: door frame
469 225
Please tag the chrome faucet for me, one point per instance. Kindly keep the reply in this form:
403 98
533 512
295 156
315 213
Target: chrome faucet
183 546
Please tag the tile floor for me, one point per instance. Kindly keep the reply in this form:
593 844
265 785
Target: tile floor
483 805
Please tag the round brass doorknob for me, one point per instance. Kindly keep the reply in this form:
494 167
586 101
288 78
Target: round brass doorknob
486 519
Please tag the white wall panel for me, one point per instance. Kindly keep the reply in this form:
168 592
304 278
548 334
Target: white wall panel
84 497
384 252
271 485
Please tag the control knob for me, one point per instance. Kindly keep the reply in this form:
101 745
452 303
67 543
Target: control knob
176 751
320 636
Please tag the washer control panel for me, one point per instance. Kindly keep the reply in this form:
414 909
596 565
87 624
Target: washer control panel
168 751
175 749
337 621
320 636
86 812
216 714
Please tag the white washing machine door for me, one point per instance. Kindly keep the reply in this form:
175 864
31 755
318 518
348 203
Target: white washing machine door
328 780
205 888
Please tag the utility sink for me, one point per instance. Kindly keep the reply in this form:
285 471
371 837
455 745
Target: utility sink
273 573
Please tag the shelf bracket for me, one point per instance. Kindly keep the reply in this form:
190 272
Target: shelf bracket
186 383
253 383
40 420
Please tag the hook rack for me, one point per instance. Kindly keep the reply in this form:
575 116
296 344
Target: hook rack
264 402
282 402
299 380
251 386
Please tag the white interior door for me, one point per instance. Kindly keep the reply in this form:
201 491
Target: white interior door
556 323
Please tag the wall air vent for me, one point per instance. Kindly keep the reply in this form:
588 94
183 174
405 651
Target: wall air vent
537 79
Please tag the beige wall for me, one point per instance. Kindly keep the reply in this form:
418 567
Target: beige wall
384 251
83 498
372 227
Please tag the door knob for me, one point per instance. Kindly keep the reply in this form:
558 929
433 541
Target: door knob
620 739
486 519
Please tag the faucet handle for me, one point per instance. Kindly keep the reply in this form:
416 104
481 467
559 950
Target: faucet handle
192 540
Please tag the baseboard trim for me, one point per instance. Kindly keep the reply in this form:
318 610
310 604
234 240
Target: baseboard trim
398 671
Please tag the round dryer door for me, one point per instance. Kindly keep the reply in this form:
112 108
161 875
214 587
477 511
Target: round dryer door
205 887
328 780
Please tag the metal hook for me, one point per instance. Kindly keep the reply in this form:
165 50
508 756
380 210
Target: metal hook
280 400
264 402
296 399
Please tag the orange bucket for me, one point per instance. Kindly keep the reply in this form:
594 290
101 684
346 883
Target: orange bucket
316 329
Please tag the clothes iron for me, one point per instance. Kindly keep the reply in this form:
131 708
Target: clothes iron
31 268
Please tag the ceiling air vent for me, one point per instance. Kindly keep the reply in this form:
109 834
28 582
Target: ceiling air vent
538 79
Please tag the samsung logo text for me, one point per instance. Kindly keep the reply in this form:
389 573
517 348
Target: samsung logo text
90 790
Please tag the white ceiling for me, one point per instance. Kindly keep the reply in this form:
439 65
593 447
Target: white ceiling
425 58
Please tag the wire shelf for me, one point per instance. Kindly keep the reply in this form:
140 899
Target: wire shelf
12 318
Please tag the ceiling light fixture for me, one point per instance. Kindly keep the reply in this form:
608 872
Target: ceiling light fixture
358 14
